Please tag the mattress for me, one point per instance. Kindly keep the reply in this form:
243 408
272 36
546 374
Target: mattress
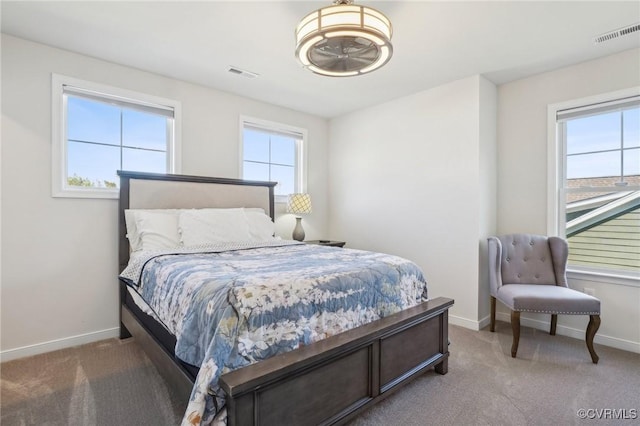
150 321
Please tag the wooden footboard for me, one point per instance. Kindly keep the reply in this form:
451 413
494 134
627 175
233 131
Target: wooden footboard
332 380
327 382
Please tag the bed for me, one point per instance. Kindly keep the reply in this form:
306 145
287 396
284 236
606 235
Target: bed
325 379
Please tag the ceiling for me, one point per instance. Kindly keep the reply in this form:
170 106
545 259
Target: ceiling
434 43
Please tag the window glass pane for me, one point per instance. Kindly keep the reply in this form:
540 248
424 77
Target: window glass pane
601 238
632 162
92 165
276 150
602 227
593 165
632 128
285 176
92 121
144 130
283 150
255 146
593 133
143 160
255 171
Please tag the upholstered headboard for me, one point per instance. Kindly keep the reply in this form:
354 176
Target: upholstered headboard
163 191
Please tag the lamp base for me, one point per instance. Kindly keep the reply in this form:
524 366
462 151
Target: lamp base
298 232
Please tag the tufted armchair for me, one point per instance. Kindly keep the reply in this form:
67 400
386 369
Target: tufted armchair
527 273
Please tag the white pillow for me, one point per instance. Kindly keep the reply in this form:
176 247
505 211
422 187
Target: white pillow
204 226
132 230
261 227
157 229
133 234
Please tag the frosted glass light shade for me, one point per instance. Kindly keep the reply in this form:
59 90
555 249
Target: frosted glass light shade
344 40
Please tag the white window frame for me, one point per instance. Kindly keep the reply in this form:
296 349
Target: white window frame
556 164
59 186
301 150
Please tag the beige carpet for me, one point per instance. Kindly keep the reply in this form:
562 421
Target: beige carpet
113 383
105 383
552 378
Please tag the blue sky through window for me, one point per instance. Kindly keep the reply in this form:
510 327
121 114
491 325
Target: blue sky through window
594 145
271 157
104 138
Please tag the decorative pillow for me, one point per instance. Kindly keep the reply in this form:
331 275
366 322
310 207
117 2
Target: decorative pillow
130 217
261 227
157 229
204 226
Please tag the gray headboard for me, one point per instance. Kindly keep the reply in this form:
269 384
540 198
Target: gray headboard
163 191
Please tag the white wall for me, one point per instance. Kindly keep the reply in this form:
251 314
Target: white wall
522 171
59 259
406 178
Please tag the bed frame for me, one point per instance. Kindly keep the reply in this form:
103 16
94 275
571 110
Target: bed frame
327 382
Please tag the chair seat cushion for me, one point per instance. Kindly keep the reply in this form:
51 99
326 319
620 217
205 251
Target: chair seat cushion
548 299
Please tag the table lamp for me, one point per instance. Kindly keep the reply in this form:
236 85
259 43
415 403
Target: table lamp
299 204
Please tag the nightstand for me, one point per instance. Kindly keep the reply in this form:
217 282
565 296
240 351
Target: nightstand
326 243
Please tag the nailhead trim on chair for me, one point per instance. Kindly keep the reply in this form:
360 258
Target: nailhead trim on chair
558 313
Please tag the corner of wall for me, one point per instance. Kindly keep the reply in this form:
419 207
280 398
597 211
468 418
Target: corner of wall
488 158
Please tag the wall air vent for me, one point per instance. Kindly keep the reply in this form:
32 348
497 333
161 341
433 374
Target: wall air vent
244 73
620 32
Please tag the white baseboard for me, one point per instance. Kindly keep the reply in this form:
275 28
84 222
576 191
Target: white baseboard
470 324
464 322
614 342
484 322
54 345
67 342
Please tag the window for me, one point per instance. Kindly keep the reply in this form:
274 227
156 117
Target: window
598 183
273 152
98 130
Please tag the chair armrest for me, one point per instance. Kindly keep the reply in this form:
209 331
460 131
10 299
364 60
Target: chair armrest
495 259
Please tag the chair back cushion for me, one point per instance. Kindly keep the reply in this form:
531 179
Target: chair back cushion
526 259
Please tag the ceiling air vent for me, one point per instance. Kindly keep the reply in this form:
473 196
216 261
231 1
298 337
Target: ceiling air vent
630 29
244 73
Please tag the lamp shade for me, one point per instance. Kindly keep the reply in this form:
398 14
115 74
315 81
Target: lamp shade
299 203
344 40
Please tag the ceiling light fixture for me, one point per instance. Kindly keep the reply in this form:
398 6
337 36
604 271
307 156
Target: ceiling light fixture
344 40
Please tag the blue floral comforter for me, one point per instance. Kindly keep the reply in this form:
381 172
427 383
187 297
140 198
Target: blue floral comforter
229 308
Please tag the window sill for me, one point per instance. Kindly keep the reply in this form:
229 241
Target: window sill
87 193
281 199
604 277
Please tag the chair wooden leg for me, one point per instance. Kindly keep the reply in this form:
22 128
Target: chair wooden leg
493 314
554 322
592 328
515 326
